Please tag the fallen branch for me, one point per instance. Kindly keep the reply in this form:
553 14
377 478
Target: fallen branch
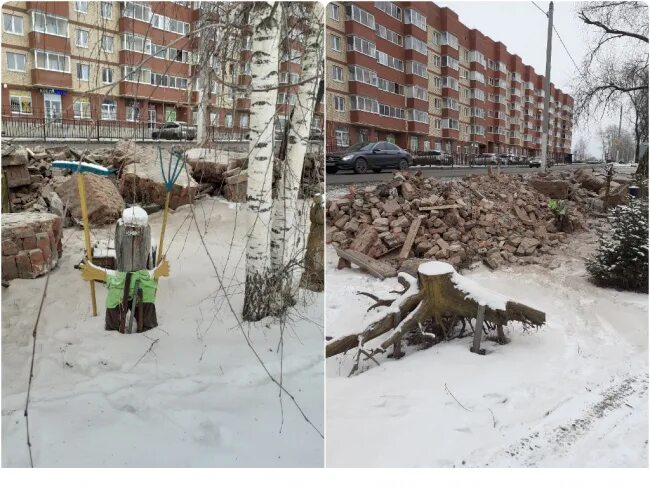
452 395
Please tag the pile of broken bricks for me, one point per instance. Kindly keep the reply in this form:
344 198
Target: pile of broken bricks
495 218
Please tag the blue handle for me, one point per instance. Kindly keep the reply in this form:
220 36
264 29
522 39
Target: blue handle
83 167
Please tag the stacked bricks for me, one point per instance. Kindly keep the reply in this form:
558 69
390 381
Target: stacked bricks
31 244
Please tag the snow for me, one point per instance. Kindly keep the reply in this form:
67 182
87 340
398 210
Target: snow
188 393
473 289
570 394
135 216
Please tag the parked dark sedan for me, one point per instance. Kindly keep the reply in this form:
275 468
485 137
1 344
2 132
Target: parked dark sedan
368 155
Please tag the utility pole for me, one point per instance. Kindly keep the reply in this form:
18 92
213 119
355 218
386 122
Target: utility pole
547 87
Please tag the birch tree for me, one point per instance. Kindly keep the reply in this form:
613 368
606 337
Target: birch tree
287 246
263 96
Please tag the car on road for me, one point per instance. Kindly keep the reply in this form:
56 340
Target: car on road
174 131
432 158
486 159
505 159
535 162
368 155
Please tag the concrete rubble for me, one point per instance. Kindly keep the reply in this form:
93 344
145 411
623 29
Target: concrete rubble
496 219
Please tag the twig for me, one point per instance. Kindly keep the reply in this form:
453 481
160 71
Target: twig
31 370
452 395
378 301
145 353
494 421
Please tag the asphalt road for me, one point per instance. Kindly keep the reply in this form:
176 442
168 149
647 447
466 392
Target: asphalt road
348 177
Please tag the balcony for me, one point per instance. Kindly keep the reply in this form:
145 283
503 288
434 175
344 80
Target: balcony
39 40
51 79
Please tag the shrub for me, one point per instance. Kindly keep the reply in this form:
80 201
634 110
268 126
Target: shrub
621 260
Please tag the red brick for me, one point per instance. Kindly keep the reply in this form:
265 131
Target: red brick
23 265
37 261
9 247
9 269
29 243
43 241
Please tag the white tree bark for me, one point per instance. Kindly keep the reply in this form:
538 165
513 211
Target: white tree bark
263 97
288 231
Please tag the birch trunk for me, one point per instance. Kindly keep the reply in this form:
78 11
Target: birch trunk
288 234
263 96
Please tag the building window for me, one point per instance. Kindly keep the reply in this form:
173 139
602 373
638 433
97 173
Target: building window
107 75
414 17
83 72
339 103
107 10
353 12
12 24
49 24
81 108
336 43
21 102
414 143
52 61
82 38
132 111
436 124
228 120
243 121
16 62
337 73
427 145
334 11
390 8
107 43
363 136
81 7
109 110
342 137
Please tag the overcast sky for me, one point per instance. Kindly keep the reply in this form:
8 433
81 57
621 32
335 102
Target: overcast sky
522 28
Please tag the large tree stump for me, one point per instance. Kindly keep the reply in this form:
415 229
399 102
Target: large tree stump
440 292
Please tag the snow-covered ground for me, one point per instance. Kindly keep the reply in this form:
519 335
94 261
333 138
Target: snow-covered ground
189 393
573 393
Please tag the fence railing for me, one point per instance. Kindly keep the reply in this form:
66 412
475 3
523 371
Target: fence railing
40 128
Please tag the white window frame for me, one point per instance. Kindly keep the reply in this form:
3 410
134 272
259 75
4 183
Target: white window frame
101 10
337 73
77 7
20 98
342 137
335 11
45 16
241 119
13 24
80 111
339 103
49 54
109 108
336 41
15 69
104 71
76 40
104 36
83 79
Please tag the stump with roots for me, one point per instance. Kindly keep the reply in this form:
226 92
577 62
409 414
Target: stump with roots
441 296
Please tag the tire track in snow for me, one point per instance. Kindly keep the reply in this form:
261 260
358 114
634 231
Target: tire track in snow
534 448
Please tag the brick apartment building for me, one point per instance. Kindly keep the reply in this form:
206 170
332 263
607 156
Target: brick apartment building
412 73
75 62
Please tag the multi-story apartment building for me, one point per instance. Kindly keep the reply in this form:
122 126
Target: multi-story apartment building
123 61
412 73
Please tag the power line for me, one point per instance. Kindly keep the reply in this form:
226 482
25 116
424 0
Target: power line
559 37
566 49
540 9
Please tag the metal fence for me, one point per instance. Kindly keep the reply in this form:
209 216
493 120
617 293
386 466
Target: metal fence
39 128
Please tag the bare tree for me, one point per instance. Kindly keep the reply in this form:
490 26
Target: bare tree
580 150
615 68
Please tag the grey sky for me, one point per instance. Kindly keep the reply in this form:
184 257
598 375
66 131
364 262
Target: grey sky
522 28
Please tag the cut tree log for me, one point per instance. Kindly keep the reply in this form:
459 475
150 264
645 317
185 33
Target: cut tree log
400 307
370 265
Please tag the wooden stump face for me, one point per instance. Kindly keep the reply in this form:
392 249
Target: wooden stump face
132 247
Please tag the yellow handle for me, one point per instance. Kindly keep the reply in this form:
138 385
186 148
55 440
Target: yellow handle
162 230
84 214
